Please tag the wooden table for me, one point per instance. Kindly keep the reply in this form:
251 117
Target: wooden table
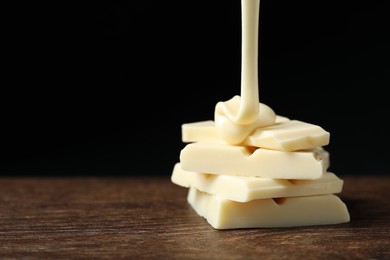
149 218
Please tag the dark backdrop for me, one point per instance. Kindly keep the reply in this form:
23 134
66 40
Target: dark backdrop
102 87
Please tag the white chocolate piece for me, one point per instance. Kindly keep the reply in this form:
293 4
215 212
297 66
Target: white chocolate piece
202 131
233 132
284 135
244 189
221 213
205 131
248 161
289 136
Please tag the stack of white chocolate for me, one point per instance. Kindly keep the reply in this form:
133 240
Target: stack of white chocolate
277 177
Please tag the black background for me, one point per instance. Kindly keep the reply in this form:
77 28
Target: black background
102 87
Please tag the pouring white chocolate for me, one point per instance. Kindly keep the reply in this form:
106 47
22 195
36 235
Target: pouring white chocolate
237 118
253 168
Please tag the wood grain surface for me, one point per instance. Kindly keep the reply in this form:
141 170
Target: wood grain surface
149 218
